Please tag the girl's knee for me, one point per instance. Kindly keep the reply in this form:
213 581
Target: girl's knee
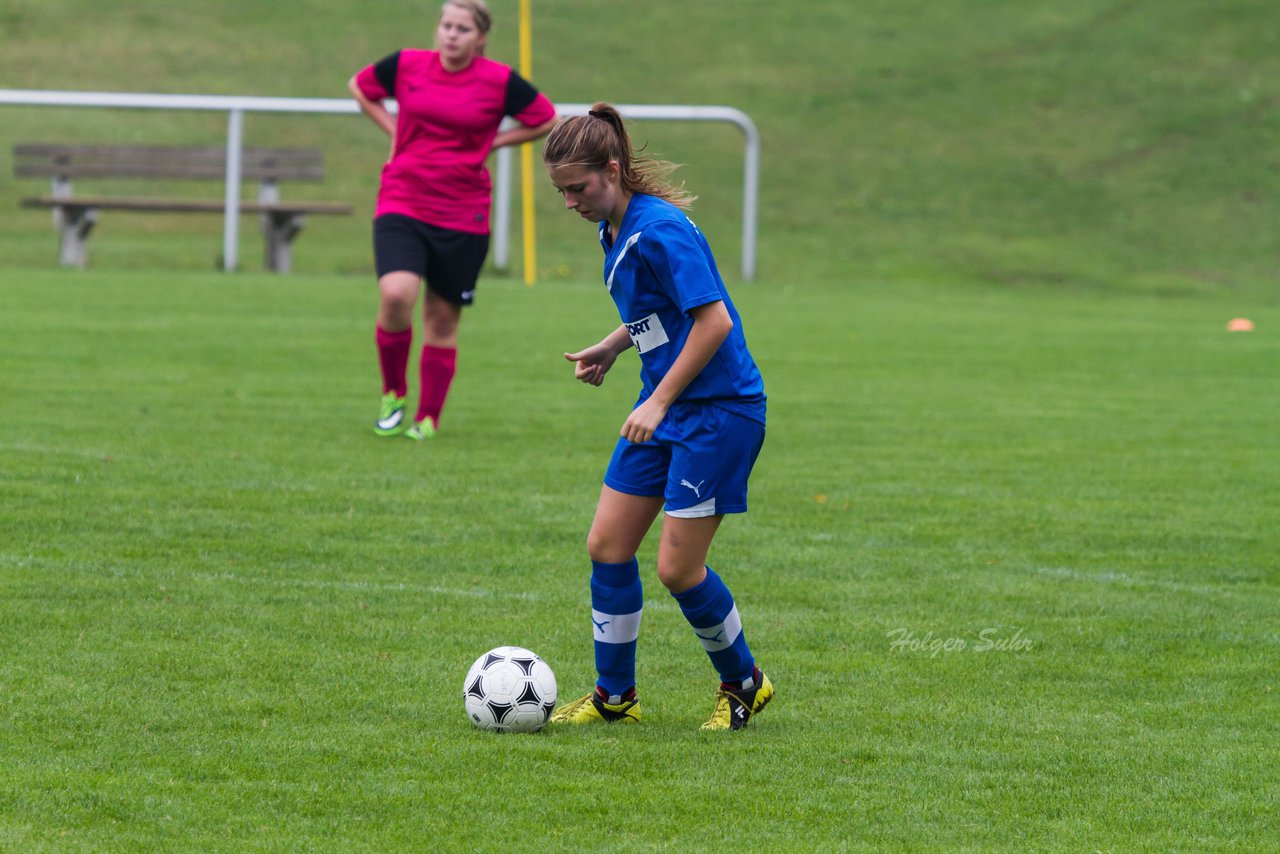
677 578
602 548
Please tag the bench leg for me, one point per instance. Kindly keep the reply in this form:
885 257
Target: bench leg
278 232
74 225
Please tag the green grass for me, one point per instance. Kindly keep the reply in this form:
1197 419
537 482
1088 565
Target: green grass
234 619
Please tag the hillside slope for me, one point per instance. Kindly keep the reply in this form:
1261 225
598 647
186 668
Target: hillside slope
1111 144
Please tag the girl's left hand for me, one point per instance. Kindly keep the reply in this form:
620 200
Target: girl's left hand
643 421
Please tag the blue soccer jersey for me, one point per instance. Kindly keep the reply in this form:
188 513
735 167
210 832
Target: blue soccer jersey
657 268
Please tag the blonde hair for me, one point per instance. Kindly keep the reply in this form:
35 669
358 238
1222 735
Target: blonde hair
591 141
479 11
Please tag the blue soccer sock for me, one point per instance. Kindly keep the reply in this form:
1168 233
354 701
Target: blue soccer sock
709 608
617 599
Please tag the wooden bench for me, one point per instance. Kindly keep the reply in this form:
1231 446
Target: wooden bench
75 216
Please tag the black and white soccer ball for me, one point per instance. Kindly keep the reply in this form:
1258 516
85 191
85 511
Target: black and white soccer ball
509 689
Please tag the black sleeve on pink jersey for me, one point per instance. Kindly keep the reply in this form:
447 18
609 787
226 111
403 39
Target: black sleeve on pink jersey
520 94
385 70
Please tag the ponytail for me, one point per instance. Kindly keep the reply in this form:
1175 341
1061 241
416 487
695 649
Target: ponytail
600 136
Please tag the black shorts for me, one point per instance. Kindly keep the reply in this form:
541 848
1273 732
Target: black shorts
448 260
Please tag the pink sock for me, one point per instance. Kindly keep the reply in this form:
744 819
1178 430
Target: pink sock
437 369
393 358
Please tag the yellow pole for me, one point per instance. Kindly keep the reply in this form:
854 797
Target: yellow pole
526 150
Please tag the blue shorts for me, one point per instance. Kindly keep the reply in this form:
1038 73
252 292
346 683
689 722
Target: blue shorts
699 459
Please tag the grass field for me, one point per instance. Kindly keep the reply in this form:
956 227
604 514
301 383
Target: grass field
234 619
1012 553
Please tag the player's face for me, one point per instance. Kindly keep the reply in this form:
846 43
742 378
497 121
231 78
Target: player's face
594 193
458 38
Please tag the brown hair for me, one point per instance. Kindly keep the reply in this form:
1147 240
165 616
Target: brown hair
593 140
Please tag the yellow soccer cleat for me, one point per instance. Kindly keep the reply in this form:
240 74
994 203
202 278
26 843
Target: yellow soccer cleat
593 709
735 706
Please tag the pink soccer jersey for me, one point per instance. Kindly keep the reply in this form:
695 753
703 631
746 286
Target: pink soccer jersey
445 129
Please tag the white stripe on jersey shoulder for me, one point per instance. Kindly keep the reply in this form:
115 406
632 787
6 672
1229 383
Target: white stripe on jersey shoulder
631 241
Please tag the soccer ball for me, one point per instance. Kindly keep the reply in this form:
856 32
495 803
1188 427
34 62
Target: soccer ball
509 689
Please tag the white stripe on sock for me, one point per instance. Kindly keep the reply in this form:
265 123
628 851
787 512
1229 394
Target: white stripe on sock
722 636
615 628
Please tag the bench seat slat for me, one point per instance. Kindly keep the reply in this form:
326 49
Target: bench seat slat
44 160
185 205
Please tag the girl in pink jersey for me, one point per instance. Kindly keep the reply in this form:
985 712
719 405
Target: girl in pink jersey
432 218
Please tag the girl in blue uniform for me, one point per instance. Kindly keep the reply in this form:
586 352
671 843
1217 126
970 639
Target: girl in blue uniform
688 446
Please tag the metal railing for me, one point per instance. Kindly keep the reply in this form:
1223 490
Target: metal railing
235 106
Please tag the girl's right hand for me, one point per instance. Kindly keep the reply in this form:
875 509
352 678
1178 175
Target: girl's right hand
591 364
